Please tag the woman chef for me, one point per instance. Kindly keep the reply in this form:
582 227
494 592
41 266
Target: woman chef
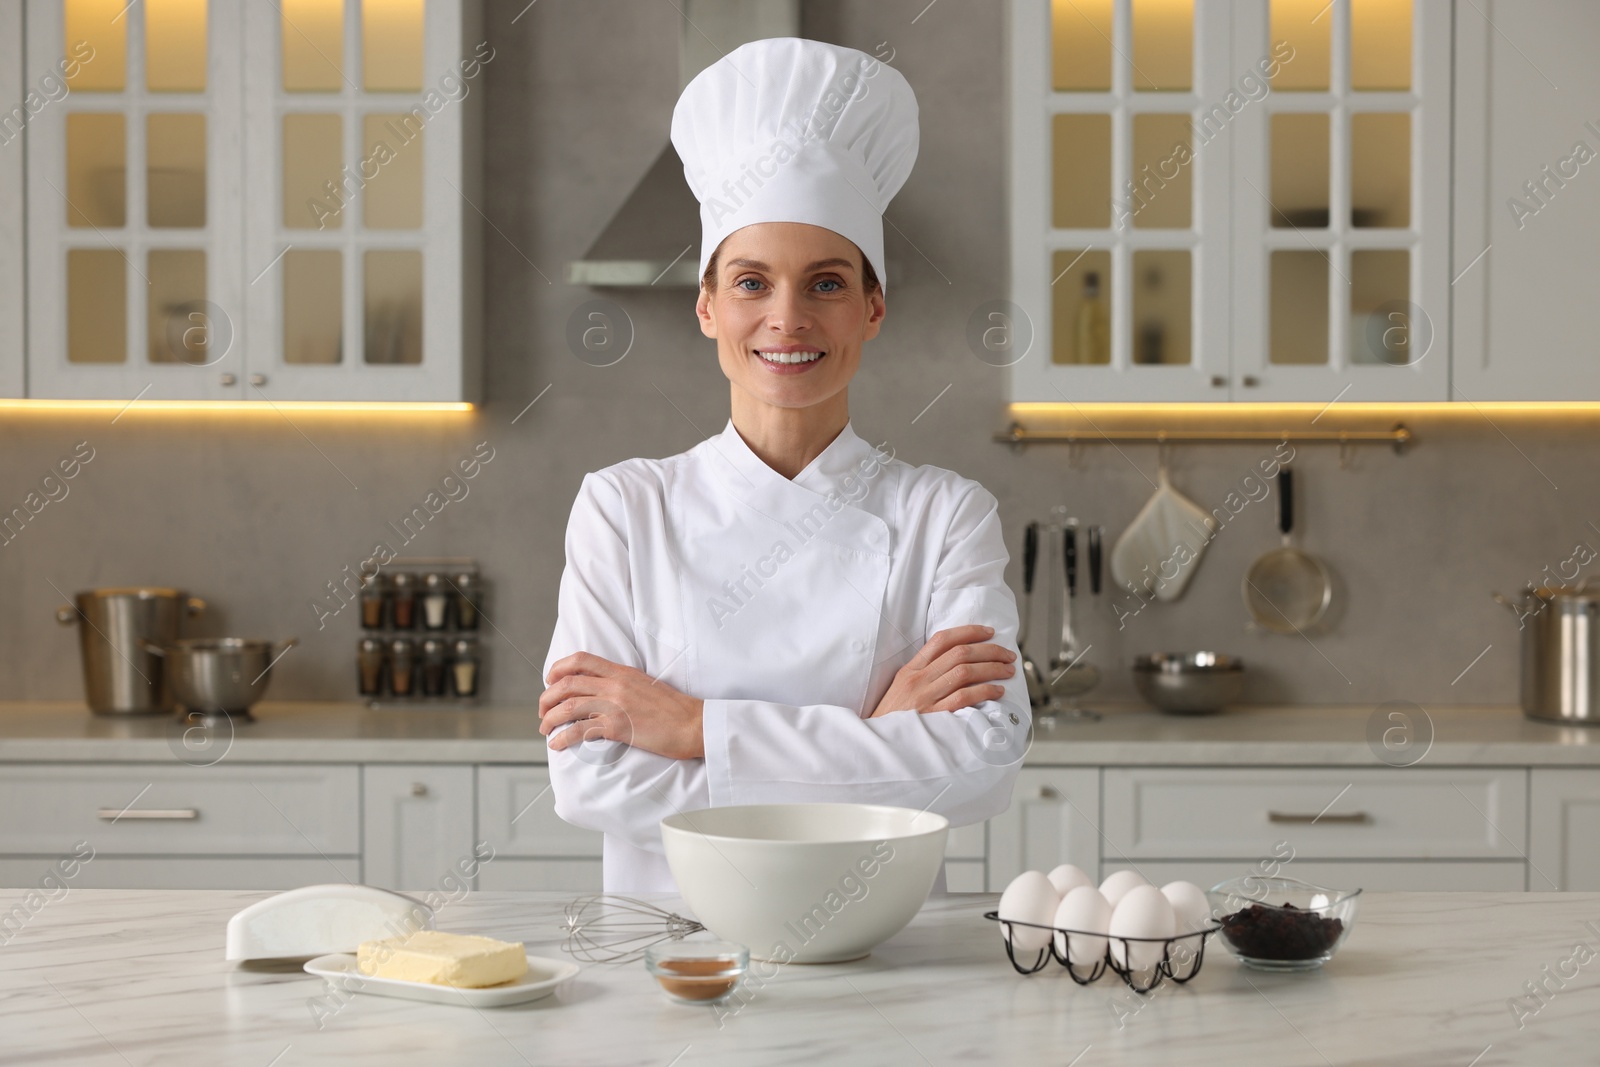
783 613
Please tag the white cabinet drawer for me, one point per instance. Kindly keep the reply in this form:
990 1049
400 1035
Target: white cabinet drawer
517 816
244 809
569 876
964 876
1377 876
1323 813
168 872
968 842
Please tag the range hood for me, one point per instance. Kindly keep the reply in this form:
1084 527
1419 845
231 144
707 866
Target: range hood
653 238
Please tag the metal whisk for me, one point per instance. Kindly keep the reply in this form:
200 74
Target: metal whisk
607 928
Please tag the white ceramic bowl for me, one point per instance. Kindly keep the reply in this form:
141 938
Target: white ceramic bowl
805 883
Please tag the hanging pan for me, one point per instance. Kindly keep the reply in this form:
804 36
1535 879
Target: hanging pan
1286 590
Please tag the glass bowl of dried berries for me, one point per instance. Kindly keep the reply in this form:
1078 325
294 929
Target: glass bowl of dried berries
1282 924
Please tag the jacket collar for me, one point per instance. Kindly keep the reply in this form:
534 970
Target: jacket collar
840 468
823 474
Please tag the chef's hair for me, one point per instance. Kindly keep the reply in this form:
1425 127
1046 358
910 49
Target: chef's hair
869 277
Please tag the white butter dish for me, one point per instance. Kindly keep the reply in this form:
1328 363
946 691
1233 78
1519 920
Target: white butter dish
315 920
541 979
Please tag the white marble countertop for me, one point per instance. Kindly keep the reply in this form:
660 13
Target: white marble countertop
1128 735
126 978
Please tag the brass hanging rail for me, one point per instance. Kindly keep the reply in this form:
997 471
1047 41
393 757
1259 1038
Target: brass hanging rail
1018 435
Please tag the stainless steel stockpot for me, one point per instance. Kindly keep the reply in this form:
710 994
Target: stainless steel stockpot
1560 652
115 626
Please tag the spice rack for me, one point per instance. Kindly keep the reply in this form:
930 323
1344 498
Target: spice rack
419 644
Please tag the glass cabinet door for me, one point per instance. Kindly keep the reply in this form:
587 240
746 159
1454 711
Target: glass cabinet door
356 199
1119 239
1342 203
1231 200
133 225
13 221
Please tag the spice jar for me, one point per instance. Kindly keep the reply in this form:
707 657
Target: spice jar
468 596
464 669
369 660
435 601
374 592
403 594
697 972
433 667
402 666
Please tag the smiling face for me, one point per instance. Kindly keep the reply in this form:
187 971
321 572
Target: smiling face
789 309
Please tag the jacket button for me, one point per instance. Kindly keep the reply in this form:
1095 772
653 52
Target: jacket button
858 646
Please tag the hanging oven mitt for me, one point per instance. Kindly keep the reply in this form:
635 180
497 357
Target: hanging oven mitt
1159 551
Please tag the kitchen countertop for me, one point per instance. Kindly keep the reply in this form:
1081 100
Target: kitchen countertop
1127 736
136 977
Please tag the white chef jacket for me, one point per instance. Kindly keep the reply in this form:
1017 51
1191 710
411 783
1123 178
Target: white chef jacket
787 606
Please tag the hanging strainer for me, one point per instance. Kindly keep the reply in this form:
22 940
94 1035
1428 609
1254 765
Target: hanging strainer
1286 590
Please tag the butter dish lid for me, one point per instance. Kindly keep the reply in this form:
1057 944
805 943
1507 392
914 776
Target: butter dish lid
316 920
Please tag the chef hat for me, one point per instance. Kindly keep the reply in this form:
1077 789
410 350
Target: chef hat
791 130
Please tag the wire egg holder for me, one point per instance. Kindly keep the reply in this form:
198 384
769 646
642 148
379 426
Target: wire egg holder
1059 949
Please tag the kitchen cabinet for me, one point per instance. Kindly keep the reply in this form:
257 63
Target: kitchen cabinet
1387 876
1527 224
1564 842
569 875
1242 200
417 826
1323 813
1406 828
533 847
1054 818
176 827
966 858
13 217
190 872
303 225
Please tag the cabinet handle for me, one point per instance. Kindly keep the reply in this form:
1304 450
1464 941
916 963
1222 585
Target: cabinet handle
1049 792
113 814
258 380
228 379
1218 381
418 789
1348 818
1250 380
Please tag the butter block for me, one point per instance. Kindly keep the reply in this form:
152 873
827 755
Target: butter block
438 958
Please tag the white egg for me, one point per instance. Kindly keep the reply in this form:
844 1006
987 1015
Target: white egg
1192 911
1030 898
1189 905
1142 912
1066 878
1083 909
1118 883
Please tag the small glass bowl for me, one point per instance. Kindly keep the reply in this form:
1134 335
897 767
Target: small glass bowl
697 972
1282 924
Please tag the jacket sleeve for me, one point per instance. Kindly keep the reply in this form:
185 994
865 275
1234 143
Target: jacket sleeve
609 785
960 764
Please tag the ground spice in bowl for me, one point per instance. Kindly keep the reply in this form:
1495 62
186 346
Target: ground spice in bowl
702 979
697 972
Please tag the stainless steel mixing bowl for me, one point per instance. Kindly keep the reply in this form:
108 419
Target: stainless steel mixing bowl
1188 683
220 675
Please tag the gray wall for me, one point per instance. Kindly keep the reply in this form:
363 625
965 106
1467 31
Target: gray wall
255 513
